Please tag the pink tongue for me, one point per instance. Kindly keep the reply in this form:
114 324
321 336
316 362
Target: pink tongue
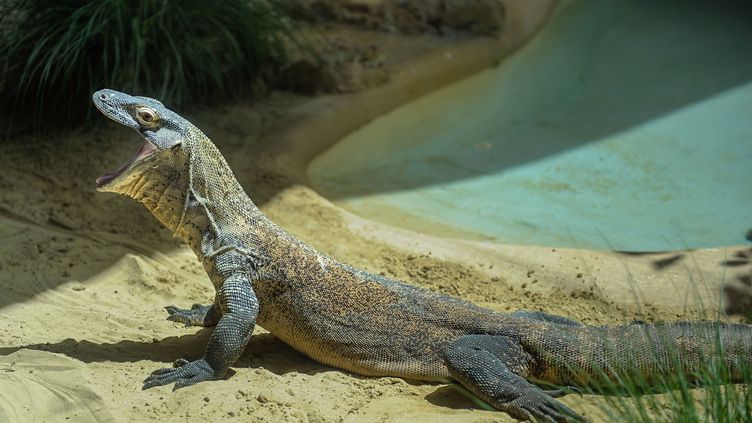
146 149
107 177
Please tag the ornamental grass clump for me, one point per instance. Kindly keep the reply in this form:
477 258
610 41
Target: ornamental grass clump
714 394
721 391
57 52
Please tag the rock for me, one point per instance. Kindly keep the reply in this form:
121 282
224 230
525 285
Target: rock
419 16
341 66
363 14
306 77
474 16
403 16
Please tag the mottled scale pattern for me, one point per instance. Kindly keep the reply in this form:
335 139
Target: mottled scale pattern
368 324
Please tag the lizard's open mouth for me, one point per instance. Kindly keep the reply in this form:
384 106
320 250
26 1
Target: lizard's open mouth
146 150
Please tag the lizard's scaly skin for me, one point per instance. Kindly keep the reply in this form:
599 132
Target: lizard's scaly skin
364 323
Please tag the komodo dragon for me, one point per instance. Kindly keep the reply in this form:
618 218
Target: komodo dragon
361 322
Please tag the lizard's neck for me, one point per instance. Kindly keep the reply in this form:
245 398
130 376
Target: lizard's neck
162 190
195 194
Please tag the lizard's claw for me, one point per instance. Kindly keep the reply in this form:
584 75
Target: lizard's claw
535 405
184 373
193 317
564 390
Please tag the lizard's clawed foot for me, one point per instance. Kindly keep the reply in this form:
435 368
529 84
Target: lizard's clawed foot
193 317
535 405
184 373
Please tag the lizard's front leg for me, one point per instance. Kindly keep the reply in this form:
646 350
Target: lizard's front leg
239 308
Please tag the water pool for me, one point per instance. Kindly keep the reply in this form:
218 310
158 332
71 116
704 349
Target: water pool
622 125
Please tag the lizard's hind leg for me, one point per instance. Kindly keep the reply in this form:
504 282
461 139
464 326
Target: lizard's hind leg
491 366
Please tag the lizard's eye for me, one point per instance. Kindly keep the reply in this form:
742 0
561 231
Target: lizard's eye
147 117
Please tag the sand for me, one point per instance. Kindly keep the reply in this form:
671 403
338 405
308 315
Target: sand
84 275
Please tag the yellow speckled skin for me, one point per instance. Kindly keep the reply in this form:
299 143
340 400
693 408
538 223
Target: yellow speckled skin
365 323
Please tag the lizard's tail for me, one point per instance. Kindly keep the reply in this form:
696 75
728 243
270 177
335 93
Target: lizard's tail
651 355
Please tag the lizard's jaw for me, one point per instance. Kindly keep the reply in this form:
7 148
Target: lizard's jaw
146 150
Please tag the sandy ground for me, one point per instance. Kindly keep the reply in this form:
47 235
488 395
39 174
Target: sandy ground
84 275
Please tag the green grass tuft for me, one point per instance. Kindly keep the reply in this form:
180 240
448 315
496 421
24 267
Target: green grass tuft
57 52
713 398
711 395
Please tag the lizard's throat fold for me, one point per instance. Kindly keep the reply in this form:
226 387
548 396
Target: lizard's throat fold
146 150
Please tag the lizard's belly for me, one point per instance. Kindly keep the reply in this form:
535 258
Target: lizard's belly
363 343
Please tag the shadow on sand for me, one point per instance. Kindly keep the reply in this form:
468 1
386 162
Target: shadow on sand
264 350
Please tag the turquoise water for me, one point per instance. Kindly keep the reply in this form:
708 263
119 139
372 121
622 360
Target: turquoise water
623 125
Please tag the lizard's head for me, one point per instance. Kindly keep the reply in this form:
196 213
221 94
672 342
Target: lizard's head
161 128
